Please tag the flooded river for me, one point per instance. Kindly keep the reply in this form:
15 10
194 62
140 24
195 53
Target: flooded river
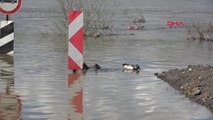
35 83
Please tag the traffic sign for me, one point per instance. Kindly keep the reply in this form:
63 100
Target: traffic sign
9 7
75 44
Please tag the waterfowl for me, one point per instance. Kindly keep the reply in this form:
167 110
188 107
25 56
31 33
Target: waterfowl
130 27
131 66
156 74
96 67
139 27
135 27
140 20
85 67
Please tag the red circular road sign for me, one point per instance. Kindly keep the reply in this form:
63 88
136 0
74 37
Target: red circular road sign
9 7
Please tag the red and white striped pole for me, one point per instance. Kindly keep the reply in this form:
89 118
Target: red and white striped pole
75 44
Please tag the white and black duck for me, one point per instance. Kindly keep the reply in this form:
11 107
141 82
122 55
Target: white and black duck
131 67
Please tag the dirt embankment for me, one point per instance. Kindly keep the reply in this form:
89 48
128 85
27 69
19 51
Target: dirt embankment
195 82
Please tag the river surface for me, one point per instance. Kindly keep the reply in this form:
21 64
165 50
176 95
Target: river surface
35 80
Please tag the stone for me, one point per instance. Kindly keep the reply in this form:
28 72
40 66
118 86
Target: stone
196 92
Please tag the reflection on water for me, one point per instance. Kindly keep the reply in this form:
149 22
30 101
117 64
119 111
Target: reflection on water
10 103
75 91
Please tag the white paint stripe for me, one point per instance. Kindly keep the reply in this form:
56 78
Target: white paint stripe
76 25
6 39
75 55
5 23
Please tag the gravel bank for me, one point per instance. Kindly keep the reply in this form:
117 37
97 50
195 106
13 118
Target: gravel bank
195 82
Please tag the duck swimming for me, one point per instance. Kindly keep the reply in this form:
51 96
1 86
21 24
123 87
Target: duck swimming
96 67
85 67
131 66
139 20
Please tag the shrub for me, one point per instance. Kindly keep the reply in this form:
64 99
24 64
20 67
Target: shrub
200 31
96 17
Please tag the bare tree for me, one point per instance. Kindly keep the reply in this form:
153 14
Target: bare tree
96 17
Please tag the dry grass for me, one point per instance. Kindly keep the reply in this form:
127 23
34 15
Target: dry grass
202 32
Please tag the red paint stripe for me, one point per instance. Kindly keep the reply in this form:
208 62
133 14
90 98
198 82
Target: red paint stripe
78 102
73 15
77 40
72 65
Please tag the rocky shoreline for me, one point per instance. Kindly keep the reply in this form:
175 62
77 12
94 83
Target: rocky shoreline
195 82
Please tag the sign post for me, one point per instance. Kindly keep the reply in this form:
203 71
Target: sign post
75 44
8 7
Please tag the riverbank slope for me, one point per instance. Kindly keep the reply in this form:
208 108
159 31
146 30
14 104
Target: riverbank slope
195 82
